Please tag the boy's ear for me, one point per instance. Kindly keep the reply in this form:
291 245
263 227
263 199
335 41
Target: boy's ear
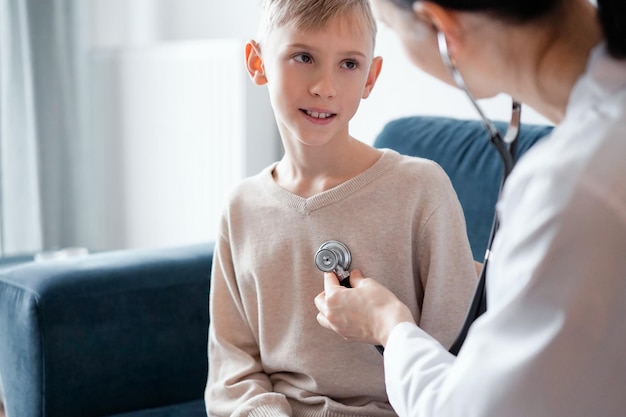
254 63
377 64
443 20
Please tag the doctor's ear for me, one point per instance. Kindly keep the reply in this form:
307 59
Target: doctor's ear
254 63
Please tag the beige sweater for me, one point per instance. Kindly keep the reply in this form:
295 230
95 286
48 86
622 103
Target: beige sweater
268 356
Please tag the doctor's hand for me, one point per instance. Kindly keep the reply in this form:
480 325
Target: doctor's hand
367 312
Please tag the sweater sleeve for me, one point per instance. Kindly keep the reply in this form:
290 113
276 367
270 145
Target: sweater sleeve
237 384
446 265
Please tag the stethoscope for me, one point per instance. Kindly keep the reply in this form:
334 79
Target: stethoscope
334 256
507 150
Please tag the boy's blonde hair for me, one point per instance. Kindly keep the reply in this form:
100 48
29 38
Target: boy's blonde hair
309 15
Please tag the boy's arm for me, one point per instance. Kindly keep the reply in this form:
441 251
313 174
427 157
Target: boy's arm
237 384
447 268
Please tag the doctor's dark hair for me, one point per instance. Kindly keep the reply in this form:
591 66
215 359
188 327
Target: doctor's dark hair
611 13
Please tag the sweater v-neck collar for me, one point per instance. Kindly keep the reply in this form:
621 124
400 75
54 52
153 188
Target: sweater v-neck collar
338 193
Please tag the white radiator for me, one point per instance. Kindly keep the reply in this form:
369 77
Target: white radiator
176 126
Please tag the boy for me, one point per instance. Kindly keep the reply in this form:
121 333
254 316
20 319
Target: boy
399 216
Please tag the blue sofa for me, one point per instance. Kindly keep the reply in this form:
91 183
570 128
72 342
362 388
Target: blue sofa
124 333
107 334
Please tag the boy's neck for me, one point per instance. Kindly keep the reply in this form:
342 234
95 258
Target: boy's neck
310 173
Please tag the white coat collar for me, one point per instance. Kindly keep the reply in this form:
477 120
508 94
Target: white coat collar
603 76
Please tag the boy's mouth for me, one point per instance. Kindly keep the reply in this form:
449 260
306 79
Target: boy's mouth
318 115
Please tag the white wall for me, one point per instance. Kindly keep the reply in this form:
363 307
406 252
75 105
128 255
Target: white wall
175 120
172 128
133 22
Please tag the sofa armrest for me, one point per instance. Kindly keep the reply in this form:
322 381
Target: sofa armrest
105 334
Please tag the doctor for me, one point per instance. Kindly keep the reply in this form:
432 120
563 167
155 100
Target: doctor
553 339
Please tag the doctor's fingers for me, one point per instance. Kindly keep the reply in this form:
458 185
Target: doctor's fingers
337 312
322 307
320 302
331 282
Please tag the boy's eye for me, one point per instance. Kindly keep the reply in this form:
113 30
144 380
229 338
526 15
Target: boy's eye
304 58
351 65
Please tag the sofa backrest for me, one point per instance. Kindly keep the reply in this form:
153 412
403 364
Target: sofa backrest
463 150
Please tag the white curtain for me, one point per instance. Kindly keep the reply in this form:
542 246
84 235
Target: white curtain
44 188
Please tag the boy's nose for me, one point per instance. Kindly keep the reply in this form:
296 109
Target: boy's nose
323 85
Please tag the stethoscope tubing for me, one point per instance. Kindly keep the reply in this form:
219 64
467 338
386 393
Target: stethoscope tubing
507 150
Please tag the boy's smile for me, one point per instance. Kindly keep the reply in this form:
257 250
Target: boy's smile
320 116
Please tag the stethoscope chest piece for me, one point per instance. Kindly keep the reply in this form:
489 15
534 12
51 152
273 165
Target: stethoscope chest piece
334 256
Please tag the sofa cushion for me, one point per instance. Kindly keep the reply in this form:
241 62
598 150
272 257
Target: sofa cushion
463 150
189 409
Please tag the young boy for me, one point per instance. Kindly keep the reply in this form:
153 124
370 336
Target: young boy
399 216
